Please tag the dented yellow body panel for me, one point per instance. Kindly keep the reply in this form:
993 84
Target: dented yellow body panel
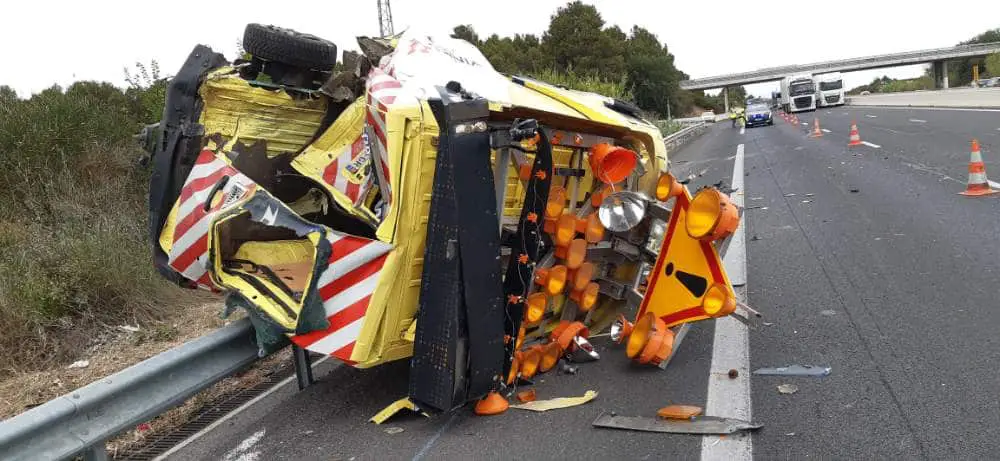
237 110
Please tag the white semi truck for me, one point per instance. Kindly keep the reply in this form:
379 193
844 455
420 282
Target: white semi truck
798 93
830 90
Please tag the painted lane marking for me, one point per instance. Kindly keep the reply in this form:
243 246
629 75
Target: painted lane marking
826 130
731 350
743 129
871 145
917 120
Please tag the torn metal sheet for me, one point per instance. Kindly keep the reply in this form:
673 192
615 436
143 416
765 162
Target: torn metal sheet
395 407
699 425
793 370
561 402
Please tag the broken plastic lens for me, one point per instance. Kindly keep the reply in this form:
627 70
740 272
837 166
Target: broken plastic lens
657 231
583 276
589 297
550 356
667 186
556 280
530 361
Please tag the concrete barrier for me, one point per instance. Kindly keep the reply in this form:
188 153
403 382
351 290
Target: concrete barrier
956 97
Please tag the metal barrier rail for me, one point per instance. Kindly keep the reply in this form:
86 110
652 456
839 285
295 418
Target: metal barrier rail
79 423
681 137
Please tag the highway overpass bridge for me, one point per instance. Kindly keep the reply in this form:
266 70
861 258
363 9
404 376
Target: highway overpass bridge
939 57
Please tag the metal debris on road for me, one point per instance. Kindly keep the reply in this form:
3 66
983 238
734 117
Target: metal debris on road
767 324
698 425
756 208
756 198
828 312
810 195
793 370
754 238
556 403
79 364
807 201
393 430
789 195
788 388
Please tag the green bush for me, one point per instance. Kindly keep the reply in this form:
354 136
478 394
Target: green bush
569 79
74 251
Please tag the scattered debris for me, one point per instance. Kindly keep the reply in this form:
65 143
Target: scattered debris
527 396
810 195
788 388
854 190
754 238
789 195
581 350
790 434
793 370
143 427
828 312
756 198
756 208
733 373
556 403
679 411
807 201
699 425
393 430
79 364
395 407
128 328
567 369
767 324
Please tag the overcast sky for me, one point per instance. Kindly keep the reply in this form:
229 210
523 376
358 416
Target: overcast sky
47 42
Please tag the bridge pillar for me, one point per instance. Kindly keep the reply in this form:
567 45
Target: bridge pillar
725 97
940 71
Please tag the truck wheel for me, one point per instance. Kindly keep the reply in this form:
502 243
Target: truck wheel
287 46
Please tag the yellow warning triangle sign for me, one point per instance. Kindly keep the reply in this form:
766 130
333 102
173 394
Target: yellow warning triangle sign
685 268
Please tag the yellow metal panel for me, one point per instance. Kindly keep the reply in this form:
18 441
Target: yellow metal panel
235 109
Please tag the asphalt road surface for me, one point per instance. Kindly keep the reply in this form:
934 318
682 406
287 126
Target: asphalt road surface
862 259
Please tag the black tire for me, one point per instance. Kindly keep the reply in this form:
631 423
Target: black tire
272 43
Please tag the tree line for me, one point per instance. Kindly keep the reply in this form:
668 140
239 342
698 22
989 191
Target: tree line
580 51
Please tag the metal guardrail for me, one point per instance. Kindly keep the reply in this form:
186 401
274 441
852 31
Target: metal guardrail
682 136
842 65
79 423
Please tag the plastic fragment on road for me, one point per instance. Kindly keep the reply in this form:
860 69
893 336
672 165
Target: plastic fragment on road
557 403
698 425
389 411
793 370
393 430
787 388
527 396
79 364
679 411
492 404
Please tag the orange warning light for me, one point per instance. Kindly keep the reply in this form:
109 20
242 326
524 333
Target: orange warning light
576 253
711 215
667 186
530 361
718 301
611 164
535 308
550 356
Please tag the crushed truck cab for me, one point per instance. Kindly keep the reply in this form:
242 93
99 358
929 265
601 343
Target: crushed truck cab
418 204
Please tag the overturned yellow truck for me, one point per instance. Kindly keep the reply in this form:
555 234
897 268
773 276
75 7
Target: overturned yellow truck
415 203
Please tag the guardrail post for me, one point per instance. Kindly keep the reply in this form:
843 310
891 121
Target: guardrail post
303 369
96 452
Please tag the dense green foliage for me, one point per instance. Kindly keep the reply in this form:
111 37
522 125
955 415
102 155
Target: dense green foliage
578 51
73 243
960 70
993 65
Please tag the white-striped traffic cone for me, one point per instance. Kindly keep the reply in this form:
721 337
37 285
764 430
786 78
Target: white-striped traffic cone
978 184
855 137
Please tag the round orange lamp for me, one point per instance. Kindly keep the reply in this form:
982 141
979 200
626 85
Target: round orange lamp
550 356
711 215
575 253
530 361
667 186
611 164
718 301
535 307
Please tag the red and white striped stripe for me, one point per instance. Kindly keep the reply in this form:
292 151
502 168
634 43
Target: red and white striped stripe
189 250
346 287
334 175
382 90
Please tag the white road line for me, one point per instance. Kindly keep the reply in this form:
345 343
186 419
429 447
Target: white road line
870 144
917 120
735 261
871 116
730 350
825 130
743 129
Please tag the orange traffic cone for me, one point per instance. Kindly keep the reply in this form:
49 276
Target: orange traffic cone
855 137
978 184
817 133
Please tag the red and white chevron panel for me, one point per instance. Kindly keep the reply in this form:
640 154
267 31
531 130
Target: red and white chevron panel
189 252
355 156
346 288
382 90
